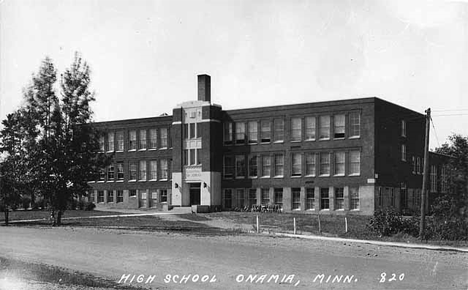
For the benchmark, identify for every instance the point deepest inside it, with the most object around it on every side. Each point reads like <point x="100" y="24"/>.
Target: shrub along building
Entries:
<point x="347" y="156"/>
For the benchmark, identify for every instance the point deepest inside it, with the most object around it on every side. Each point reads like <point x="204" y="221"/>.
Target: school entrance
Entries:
<point x="195" y="192"/>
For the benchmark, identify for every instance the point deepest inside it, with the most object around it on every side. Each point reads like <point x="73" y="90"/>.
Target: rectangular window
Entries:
<point x="253" y="132"/>
<point x="101" y="144"/>
<point x="110" y="141"/>
<point x="253" y="196"/>
<point x="324" y="164"/>
<point x="266" y="166"/>
<point x="265" y="133"/>
<point x="228" y="167"/>
<point x="240" y="133"/>
<point x="153" y="142"/>
<point x="153" y="173"/>
<point x="310" y="164"/>
<point x="199" y="156"/>
<point x="240" y="166"/>
<point x="354" y="125"/>
<point x="132" y="140"/>
<point x="253" y="166"/>
<point x="418" y="165"/>
<point x="192" y="156"/>
<point x="164" y="138"/>
<point x="392" y="197"/>
<point x="339" y="198"/>
<point x="110" y="173"/>
<point x="310" y="128"/>
<point x="119" y="195"/>
<point x="403" y="128"/>
<point x="296" y="129"/>
<point x="100" y="196"/>
<point x="433" y="178"/>
<point x="228" y="133"/>
<point x="120" y="171"/>
<point x="296" y="160"/>
<point x="403" y="152"/>
<point x="340" y="163"/>
<point x="193" y="131"/>
<point x="142" y="175"/>
<point x="185" y="132"/>
<point x="354" y="198"/>
<point x="240" y="197"/>
<point x="102" y="174"/>
<point x="296" y="198"/>
<point x="133" y="170"/>
<point x="324" y="198"/>
<point x="185" y="156"/>
<point x="279" y="197"/>
<point x="278" y="125"/>
<point x="310" y="198"/>
<point x="279" y="165"/>
<point x="354" y="163"/>
<point x="324" y="127"/>
<point x="164" y="169"/>
<point x="120" y="140"/>
<point x="339" y="128"/>
<point x="443" y="179"/>
<point x="414" y="164"/>
<point x="265" y="198"/>
<point x="110" y="196"/>
<point x="163" y="193"/>
<point x="142" y="140"/>
<point x="132" y="192"/>
<point x="227" y="198"/>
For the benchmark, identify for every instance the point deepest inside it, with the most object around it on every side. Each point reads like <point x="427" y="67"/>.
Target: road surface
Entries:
<point x="177" y="261"/>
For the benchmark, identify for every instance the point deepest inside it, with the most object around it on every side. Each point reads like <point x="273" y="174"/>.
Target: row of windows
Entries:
<point x="131" y="193"/>
<point x="147" y="139"/>
<point x="137" y="170"/>
<point x="302" y="164"/>
<point x="238" y="196"/>
<point x="302" y="129"/>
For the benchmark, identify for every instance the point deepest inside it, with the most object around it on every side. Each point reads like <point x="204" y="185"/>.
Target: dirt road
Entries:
<point x="175" y="261"/>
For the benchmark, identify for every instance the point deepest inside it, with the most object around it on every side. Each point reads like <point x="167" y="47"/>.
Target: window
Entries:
<point x="354" y="125"/>
<point x="132" y="193"/>
<point x="310" y="164"/>
<point x="324" y="164"/>
<point x="403" y="128"/>
<point x="101" y="144"/>
<point x="404" y="196"/>
<point x="339" y="198"/>
<point x="153" y="141"/>
<point x="380" y="197"/>
<point x="392" y="197"/>
<point x="133" y="170"/>
<point x="403" y="152"/>
<point x="198" y="151"/>
<point x="253" y="132"/>
<point x="279" y="197"/>
<point x="296" y="198"/>
<point x="142" y="140"/>
<point x="240" y="133"/>
<point x="153" y="171"/>
<point x="354" y="198"/>
<point x="279" y="165"/>
<point x="296" y="159"/>
<point x="354" y="163"/>
<point x="265" y="133"/>
<point x="163" y="134"/>
<point x="185" y="132"/>
<point x="227" y="198"/>
<point x="310" y="198"/>
<point x="252" y="196"/>
<point x="142" y="175"/>
<point x="110" y="173"/>
<point x="310" y="128"/>
<point x="266" y="166"/>
<point x="110" y="196"/>
<point x="193" y="130"/>
<point x="185" y="156"/>
<point x="110" y="141"/>
<point x="240" y="197"/>
<point x="279" y="130"/>
<point x="253" y="166"/>
<point x="265" y="196"/>
<point x="240" y="166"/>
<point x="339" y="128"/>
<point x="120" y="171"/>
<point x="418" y="165"/>
<point x="443" y="179"/>
<point x="433" y="178"/>
<point x="228" y="167"/>
<point x="296" y="129"/>
<point x="163" y="193"/>
<point x="340" y="163"/>
<point x="192" y="156"/>
<point x="324" y="127"/>
<point x="324" y="198"/>
<point x="100" y="196"/>
<point x="228" y="133"/>
<point x="102" y="174"/>
<point x="132" y="145"/>
<point x="119" y="195"/>
<point x="414" y="164"/>
<point x="120" y="140"/>
<point x="164" y="169"/>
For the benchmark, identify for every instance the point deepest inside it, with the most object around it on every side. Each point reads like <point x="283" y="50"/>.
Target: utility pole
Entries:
<point x="422" y="224"/>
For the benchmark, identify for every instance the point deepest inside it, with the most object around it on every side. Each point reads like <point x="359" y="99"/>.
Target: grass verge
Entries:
<point x="45" y="214"/>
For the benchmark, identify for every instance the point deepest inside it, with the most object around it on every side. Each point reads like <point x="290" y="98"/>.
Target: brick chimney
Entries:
<point x="204" y="88"/>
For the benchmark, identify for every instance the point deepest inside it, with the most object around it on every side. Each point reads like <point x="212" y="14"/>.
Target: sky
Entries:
<point x="145" y="55"/>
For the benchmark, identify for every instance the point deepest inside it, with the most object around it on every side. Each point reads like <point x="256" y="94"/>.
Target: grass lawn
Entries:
<point x="45" y="214"/>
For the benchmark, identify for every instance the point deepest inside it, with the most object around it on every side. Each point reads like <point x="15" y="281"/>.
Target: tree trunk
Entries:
<point x="6" y="215"/>
<point x="59" y="218"/>
<point x="52" y="217"/>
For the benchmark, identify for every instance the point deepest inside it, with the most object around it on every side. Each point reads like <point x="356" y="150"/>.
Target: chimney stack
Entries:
<point x="204" y="88"/>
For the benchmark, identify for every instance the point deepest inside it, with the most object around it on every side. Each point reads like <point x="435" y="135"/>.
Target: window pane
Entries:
<point x="296" y="198"/>
<point x="265" y="198"/>
<point x="110" y="196"/>
<point x="324" y="163"/>
<point x="354" y="125"/>
<point x="142" y="175"/>
<point x="164" y="169"/>
<point x="339" y="126"/>
<point x="240" y="133"/>
<point x="163" y="133"/>
<point x="110" y="173"/>
<point x="310" y="198"/>
<point x="339" y="198"/>
<point x="192" y="156"/>
<point x="101" y="144"/>
<point x="228" y="167"/>
<point x="310" y="128"/>
<point x="354" y="198"/>
<point x="252" y="166"/>
<point x="120" y="140"/>
<point x="153" y="170"/>
<point x="296" y="164"/>
<point x="110" y="141"/>
<point x="133" y="170"/>
<point x="240" y="166"/>
<point x="310" y="164"/>
<point x="252" y="196"/>
<point x="253" y="132"/>
<point x="228" y="133"/>
<point x="354" y="162"/>
<point x="279" y="165"/>
<point x="227" y="198"/>
<point x="120" y="171"/>
<point x="339" y="163"/>
<point x="279" y="129"/>
<point x="266" y="166"/>
<point x="324" y="129"/>
<point x="265" y="131"/>
<point x="296" y="129"/>
<point x="279" y="197"/>
<point x="153" y="139"/>
<point x="324" y="198"/>
<point x="132" y="145"/>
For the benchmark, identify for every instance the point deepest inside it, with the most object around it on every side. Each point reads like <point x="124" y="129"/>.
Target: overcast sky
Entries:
<point x="145" y="55"/>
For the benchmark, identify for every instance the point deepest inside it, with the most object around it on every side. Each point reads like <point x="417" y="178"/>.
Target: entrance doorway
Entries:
<point x="195" y="193"/>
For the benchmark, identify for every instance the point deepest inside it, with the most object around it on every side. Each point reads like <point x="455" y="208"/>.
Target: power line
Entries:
<point x="435" y="132"/>
<point x="446" y="115"/>
<point x="450" y="110"/>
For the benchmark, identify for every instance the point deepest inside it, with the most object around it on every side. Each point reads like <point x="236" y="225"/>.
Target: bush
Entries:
<point x="25" y="202"/>
<point x="88" y="205"/>
<point x="38" y="203"/>
<point x="386" y="222"/>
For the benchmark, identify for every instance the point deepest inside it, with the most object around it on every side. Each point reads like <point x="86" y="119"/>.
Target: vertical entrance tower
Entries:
<point x="197" y="150"/>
